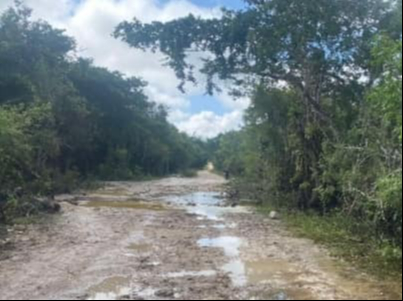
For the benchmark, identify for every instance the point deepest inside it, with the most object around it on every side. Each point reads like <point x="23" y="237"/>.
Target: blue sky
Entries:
<point x="234" y="4"/>
<point x="202" y="103"/>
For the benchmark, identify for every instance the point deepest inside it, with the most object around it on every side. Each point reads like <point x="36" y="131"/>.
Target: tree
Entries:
<point x="307" y="44"/>
<point x="320" y="49"/>
<point x="64" y="120"/>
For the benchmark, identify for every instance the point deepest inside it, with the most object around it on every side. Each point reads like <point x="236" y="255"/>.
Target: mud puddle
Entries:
<point x="243" y="272"/>
<point x="183" y="274"/>
<point x="137" y="205"/>
<point x="110" y="289"/>
<point x="289" y="280"/>
<point x="173" y="239"/>
<point x="211" y="206"/>
<point x="207" y="206"/>
<point x="235" y="268"/>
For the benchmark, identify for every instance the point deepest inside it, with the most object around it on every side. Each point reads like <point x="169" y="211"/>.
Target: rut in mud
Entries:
<point x="173" y="239"/>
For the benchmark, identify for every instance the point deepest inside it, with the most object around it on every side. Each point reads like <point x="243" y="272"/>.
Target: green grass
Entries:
<point x="346" y="238"/>
<point x="36" y="219"/>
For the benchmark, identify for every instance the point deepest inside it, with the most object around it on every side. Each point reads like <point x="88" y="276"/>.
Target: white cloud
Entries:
<point x="168" y="99"/>
<point x="208" y="124"/>
<point x="178" y="116"/>
<point x="232" y="103"/>
<point x="55" y="11"/>
<point x="92" y="22"/>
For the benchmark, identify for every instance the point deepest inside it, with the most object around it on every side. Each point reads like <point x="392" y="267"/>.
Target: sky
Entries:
<point x="91" y="23"/>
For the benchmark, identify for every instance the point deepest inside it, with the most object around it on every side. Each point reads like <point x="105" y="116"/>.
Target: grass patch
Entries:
<point x="38" y="219"/>
<point x="347" y="239"/>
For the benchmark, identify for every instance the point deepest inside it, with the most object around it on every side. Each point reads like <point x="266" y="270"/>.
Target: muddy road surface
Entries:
<point x="172" y="239"/>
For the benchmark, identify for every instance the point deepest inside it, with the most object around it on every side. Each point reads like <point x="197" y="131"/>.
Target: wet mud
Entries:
<point x="172" y="239"/>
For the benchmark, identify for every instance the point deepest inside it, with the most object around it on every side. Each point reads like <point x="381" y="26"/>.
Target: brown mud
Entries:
<point x="172" y="239"/>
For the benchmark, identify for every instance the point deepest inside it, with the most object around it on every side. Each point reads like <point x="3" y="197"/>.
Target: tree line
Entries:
<point x="324" y="130"/>
<point x="64" y="120"/>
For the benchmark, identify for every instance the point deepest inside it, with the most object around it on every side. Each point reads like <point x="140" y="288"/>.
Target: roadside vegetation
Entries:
<point x="65" y="121"/>
<point x="322" y="140"/>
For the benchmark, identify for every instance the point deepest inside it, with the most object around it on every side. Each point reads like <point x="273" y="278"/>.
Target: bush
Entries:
<point x="389" y="217"/>
<point x="350" y="239"/>
<point x="21" y="207"/>
<point x="67" y="182"/>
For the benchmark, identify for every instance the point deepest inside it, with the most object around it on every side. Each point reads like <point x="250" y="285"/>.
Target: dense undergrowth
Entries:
<point x="65" y="121"/>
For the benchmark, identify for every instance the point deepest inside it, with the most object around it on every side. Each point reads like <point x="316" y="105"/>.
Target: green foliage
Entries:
<point x="360" y="175"/>
<point x="329" y="142"/>
<point x="21" y="207"/>
<point x="386" y="97"/>
<point x="389" y="196"/>
<point x="303" y="44"/>
<point x="23" y="148"/>
<point x="14" y="148"/>
<point x="64" y="120"/>
<point x="228" y="155"/>
<point x="350" y="240"/>
<point x="273" y="40"/>
<point x="331" y="138"/>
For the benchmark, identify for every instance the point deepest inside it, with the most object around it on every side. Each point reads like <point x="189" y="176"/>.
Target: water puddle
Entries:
<point x="290" y="294"/>
<point x="184" y="274"/>
<point x="197" y="199"/>
<point x="229" y="244"/>
<point x="254" y="272"/>
<point x="143" y="294"/>
<point x="289" y="281"/>
<point x="206" y="205"/>
<point x="263" y="271"/>
<point x="235" y="268"/>
<point x="138" y="205"/>
<point x="209" y="213"/>
<point x="225" y="226"/>
<point x="295" y="283"/>
<point x="110" y="289"/>
<point x="219" y="226"/>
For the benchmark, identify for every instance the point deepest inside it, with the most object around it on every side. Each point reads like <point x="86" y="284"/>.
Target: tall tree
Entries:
<point x="319" y="48"/>
<point x="307" y="44"/>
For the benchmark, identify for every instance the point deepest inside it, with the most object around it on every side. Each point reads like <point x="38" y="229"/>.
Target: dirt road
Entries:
<point x="171" y="239"/>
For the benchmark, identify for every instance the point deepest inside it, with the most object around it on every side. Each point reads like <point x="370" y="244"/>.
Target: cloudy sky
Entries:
<point x="91" y="23"/>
